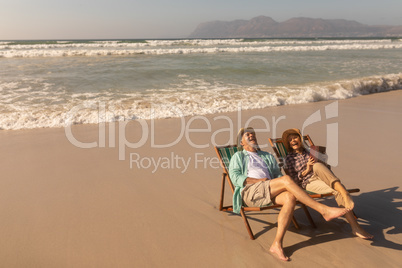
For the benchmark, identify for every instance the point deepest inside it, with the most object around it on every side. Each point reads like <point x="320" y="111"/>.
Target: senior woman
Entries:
<point x="316" y="177"/>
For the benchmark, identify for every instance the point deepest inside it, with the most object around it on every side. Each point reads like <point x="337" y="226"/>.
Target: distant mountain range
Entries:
<point x="266" y="27"/>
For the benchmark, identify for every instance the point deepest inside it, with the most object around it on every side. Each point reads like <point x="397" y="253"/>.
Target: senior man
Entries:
<point x="258" y="181"/>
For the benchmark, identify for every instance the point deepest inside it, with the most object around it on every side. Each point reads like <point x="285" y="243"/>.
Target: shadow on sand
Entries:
<point x="379" y="213"/>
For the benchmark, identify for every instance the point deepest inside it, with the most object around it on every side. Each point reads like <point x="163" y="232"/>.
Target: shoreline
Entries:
<point x="68" y="206"/>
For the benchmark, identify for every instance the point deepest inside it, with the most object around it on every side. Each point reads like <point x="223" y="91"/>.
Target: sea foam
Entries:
<point x="163" y="47"/>
<point x="24" y="108"/>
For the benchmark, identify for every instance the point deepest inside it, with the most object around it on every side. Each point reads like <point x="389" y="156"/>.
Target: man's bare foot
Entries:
<point x="349" y="204"/>
<point x="359" y="232"/>
<point x="277" y="250"/>
<point x="332" y="213"/>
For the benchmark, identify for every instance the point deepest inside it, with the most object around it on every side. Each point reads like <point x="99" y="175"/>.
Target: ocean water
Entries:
<point x="57" y="83"/>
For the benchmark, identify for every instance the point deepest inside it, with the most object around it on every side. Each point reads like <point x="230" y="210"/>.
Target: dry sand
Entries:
<point x="65" y="206"/>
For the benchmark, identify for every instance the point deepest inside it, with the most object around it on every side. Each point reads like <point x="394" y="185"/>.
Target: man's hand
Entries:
<point x="253" y="180"/>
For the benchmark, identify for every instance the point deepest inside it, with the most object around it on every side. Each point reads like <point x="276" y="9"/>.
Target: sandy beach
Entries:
<point x="157" y="205"/>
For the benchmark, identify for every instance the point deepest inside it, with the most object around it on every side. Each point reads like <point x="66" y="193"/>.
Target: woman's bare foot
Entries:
<point x="277" y="250"/>
<point x="361" y="233"/>
<point x="331" y="213"/>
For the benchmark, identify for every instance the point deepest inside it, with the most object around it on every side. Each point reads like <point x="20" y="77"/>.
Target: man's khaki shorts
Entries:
<point x="257" y="194"/>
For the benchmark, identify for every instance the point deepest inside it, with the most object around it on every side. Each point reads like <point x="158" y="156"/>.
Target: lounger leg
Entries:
<point x="354" y="215"/>
<point x="222" y="191"/>
<point x="250" y="233"/>
<point x="295" y="223"/>
<point x="310" y="219"/>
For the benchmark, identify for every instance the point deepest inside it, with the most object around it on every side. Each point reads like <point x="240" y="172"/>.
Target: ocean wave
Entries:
<point x="179" y="42"/>
<point x="29" y="53"/>
<point x="183" y="46"/>
<point x="23" y="107"/>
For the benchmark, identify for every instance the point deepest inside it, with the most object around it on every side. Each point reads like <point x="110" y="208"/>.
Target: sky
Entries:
<point x="144" y="19"/>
